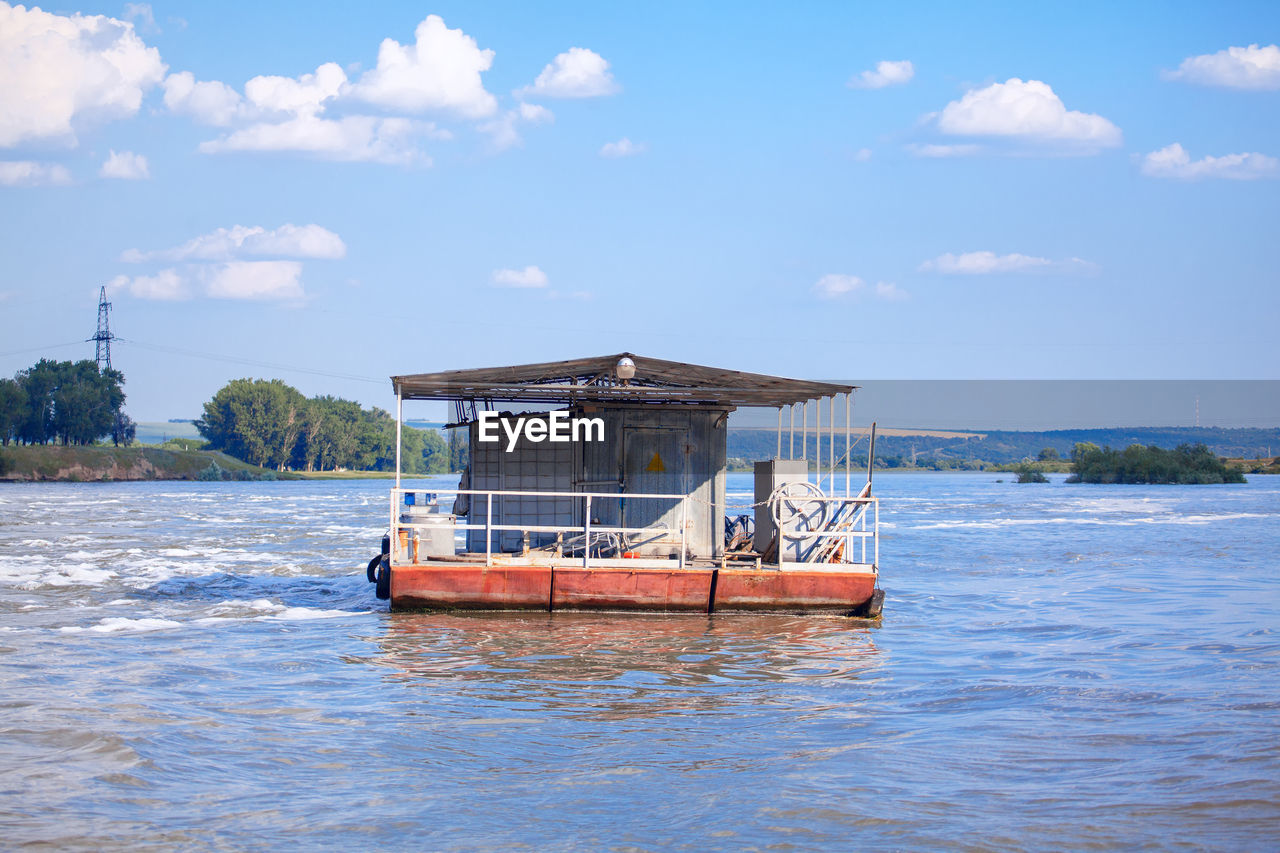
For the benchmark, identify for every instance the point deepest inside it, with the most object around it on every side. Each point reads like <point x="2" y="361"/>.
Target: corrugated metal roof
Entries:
<point x="593" y="379"/>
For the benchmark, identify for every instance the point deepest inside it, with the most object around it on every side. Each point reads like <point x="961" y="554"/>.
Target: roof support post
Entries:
<point x="848" y="448"/>
<point x="817" y="440"/>
<point x="779" y="454"/>
<point x="399" y="426"/>
<point x="791" y="439"/>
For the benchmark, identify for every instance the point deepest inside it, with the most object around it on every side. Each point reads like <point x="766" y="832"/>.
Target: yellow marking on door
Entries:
<point x="655" y="465"/>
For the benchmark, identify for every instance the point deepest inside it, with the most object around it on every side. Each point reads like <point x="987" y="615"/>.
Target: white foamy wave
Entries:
<point x="113" y="624"/>
<point x="263" y="609"/>
<point x="35" y="572"/>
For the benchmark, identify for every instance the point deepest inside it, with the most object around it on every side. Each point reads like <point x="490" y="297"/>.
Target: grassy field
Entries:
<point x="101" y="463"/>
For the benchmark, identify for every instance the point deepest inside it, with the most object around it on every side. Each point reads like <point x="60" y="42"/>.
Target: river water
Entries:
<point x="203" y="665"/>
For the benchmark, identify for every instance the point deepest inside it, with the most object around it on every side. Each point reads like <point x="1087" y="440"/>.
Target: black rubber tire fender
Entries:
<point x="383" y="589"/>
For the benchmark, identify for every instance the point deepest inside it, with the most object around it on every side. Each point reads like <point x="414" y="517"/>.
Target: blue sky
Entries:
<point x="864" y="191"/>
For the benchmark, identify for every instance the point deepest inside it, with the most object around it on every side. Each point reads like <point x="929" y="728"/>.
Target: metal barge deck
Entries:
<point x="635" y="515"/>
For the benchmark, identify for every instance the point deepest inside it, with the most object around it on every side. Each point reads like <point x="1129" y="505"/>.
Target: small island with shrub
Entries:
<point x="1186" y="464"/>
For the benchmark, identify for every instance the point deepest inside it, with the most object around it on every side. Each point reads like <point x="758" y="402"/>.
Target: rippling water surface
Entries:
<point x="204" y="666"/>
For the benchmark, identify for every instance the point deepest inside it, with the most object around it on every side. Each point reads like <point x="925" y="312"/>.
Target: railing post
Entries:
<point x="391" y="528"/>
<point x="586" y="534"/>
<point x="488" y="530"/>
<point x="684" y="524"/>
<point x="877" y="533"/>
<point x="864" y="538"/>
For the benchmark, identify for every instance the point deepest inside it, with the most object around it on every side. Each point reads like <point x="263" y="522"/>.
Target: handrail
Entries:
<point x="586" y="528"/>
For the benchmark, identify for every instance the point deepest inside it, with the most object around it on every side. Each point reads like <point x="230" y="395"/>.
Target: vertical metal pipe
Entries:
<point x="488" y="530"/>
<point x="871" y="453"/>
<point x="399" y="425"/>
<point x="684" y="514"/>
<point x="804" y="436"/>
<point x="848" y="449"/>
<point x="586" y="535"/>
<point x="817" y="441"/>
<point x="831" y="436"/>
<point x="779" y="455"/>
<point x="791" y="439"/>
<point x="863" y="537"/>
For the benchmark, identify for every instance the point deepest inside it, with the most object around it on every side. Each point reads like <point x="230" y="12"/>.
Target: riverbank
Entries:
<point x="54" y="463"/>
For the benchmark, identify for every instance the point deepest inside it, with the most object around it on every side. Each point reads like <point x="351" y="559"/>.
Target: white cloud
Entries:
<point x="287" y="114"/>
<point x="1173" y="161"/>
<point x="125" y="165"/>
<point x="979" y="263"/>
<point x="352" y="139"/>
<point x="209" y="101"/>
<point x="245" y="280"/>
<point x="59" y="71"/>
<point x="1249" y="67"/>
<point x="833" y="285"/>
<point x="298" y="96"/>
<point x="29" y="173"/>
<point x="166" y="285"/>
<point x="939" y="151"/>
<point x="141" y="16"/>
<point x="624" y="147"/>
<point x="441" y="70"/>
<point x="886" y="73"/>
<point x="530" y="276"/>
<point x="1027" y="111"/>
<point x="504" y="129"/>
<point x="982" y="263"/>
<point x="889" y="291"/>
<point x="576" y="73"/>
<point x="838" y="286"/>
<point x="289" y="241"/>
<point x="535" y="113"/>
<point x="862" y="155"/>
<point x="254" y="280"/>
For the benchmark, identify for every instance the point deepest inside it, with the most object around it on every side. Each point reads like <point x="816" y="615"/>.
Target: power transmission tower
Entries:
<point x="103" y="337"/>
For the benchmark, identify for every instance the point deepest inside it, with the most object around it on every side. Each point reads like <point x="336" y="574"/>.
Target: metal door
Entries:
<point x="655" y="461"/>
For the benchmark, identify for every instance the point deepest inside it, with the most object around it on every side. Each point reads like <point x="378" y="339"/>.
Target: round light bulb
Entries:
<point x="626" y="369"/>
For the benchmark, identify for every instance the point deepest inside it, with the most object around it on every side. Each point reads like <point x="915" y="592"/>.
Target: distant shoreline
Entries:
<point x="49" y="463"/>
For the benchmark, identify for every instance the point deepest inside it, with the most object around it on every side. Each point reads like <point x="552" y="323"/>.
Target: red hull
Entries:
<point x="470" y="587"/>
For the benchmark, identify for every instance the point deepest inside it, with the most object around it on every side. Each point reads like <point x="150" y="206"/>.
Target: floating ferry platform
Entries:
<point x="599" y="484"/>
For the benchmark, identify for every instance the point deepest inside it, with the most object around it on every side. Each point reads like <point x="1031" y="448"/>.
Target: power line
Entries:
<point x="41" y="348"/>
<point x="251" y="362"/>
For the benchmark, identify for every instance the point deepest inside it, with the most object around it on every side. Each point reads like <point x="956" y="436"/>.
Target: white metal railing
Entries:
<point x="401" y="531"/>
<point x="853" y="518"/>
<point x="837" y="527"/>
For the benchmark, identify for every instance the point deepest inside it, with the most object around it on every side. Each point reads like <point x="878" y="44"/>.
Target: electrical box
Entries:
<point x="770" y="474"/>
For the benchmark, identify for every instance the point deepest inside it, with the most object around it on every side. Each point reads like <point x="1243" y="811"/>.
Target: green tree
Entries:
<point x="435" y="452"/>
<point x="13" y="409"/>
<point x="124" y="430"/>
<point x="1049" y="454"/>
<point x="256" y="420"/>
<point x="459" y="452"/>
<point x="70" y="402"/>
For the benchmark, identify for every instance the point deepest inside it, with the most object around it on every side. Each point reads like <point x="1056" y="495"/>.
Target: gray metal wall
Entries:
<point x="646" y="449"/>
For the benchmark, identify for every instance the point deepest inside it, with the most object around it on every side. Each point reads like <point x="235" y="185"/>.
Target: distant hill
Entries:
<point x="104" y="463"/>
<point x="158" y="432"/>
<point x="927" y="448"/>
